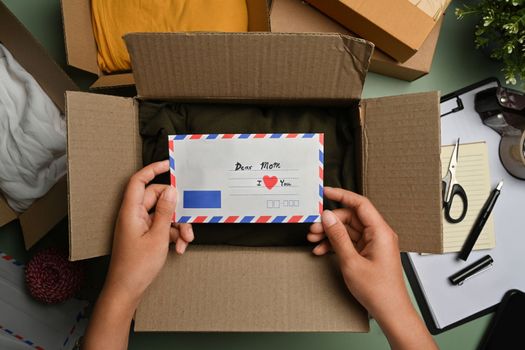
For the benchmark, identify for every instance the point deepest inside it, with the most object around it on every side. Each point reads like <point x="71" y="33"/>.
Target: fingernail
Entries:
<point x="170" y="194"/>
<point x="180" y="246"/>
<point x="328" y="218"/>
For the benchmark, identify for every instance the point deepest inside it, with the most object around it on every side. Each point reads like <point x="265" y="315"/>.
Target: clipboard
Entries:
<point x="454" y="105"/>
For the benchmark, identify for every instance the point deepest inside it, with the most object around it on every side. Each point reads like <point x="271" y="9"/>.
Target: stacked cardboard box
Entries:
<point x="397" y="27"/>
<point x="47" y="211"/>
<point x="298" y="16"/>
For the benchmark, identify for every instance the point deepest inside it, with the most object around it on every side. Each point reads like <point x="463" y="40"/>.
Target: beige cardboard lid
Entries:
<point x="297" y="16"/>
<point x="221" y="289"/>
<point x="47" y="211"/>
<point x="104" y="150"/>
<point x="401" y="168"/>
<point x="248" y="66"/>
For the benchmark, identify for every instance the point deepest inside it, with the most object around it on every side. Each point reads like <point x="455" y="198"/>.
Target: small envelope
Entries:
<point x="247" y="178"/>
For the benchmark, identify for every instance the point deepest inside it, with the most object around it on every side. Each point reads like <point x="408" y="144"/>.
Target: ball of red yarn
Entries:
<point x="51" y="278"/>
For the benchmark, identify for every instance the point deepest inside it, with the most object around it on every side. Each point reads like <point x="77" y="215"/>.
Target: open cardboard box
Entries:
<point x="296" y="16"/>
<point x="81" y="47"/>
<point x="397" y="27"/>
<point x="47" y="211"/>
<point x="231" y="288"/>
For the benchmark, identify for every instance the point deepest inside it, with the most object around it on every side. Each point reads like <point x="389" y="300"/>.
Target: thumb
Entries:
<point x="338" y="236"/>
<point x="164" y="211"/>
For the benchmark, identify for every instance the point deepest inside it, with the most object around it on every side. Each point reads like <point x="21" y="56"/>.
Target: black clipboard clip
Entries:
<point x="459" y="107"/>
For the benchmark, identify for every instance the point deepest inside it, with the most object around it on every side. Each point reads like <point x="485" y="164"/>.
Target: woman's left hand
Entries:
<point x="141" y="240"/>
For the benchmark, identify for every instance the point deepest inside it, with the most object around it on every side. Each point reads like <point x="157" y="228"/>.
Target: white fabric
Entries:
<point x="32" y="136"/>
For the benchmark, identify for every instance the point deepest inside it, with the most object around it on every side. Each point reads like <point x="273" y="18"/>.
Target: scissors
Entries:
<point x="451" y="188"/>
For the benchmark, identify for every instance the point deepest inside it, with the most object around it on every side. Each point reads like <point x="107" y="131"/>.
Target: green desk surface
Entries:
<point x="456" y="64"/>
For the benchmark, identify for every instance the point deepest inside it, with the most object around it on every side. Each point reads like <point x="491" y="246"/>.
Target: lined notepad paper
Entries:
<point x="473" y="174"/>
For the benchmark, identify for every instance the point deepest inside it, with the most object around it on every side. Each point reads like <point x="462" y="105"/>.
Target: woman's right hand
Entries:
<point x="368" y="253"/>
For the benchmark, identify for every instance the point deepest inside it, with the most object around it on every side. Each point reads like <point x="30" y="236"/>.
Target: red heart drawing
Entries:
<point x="270" y="181"/>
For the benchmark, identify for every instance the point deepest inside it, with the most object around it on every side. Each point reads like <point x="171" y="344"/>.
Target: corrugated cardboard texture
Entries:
<point x="296" y="16"/>
<point x="6" y="213"/>
<point x="217" y="288"/>
<point x="39" y="218"/>
<point x="113" y="80"/>
<point x="44" y="213"/>
<point x="252" y="66"/>
<point x="104" y="150"/>
<point x="81" y="47"/>
<point x="258" y="16"/>
<point x="413" y="68"/>
<point x="402" y="168"/>
<point x="395" y="26"/>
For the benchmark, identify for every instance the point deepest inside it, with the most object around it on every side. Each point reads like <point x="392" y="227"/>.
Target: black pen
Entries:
<point x="480" y="223"/>
<point x="481" y="265"/>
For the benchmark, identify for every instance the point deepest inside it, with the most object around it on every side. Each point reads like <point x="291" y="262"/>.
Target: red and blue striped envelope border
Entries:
<point x="264" y="219"/>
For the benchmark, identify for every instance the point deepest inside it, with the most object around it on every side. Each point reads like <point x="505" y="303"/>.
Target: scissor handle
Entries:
<point x="460" y="192"/>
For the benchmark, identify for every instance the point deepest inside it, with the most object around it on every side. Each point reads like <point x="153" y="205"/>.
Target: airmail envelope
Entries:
<point x="247" y="178"/>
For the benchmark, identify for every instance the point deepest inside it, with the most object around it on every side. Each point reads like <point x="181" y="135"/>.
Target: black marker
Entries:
<point x="473" y="269"/>
<point x="480" y="223"/>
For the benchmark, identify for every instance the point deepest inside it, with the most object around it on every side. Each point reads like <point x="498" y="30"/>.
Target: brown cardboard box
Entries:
<point x="81" y="48"/>
<point x="47" y="211"/>
<point x="398" y="27"/>
<point x="298" y="16"/>
<point x="231" y="288"/>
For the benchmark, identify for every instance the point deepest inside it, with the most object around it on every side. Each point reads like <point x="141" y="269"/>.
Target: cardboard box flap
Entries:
<point x="103" y="134"/>
<point x="44" y="213"/>
<point x="258" y="18"/>
<point x="81" y="48"/>
<point x="221" y="288"/>
<point x="401" y="165"/>
<point x="113" y="80"/>
<point x="33" y="57"/>
<point x="6" y="213"/>
<point x="251" y="66"/>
